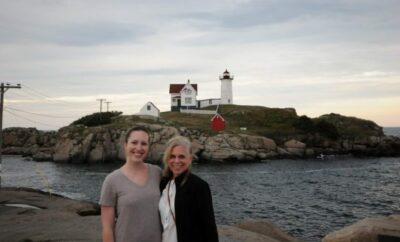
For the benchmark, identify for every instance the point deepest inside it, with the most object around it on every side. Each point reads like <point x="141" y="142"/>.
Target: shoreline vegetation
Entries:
<point x="33" y="215"/>
<point x="252" y="133"/>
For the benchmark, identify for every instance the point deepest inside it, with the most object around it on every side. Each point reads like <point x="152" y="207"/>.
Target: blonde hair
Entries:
<point x="172" y="143"/>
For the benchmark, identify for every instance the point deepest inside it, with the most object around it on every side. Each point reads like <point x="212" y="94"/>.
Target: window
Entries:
<point x="188" y="91"/>
<point x="210" y="101"/>
<point x="148" y="107"/>
<point x="188" y="100"/>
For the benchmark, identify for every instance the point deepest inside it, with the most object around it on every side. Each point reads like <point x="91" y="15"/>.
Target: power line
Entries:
<point x="47" y="97"/>
<point x="39" y="114"/>
<point x="30" y="120"/>
<point x="37" y="93"/>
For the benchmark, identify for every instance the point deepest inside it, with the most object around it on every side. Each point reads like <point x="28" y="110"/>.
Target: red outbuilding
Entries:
<point x="217" y="122"/>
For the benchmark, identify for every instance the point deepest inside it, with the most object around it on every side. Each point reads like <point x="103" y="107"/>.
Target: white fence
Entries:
<point x="198" y="111"/>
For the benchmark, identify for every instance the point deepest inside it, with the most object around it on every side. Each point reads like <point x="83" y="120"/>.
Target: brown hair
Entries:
<point x="138" y="128"/>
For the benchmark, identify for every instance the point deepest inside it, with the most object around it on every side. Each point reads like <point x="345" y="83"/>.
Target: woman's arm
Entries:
<point x="108" y="222"/>
<point x="207" y="214"/>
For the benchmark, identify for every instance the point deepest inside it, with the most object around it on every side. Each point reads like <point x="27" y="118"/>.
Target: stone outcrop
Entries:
<point x="251" y="230"/>
<point x="295" y="147"/>
<point x="32" y="215"/>
<point x="80" y="144"/>
<point x="266" y="228"/>
<point x="368" y="230"/>
<point x="29" y="142"/>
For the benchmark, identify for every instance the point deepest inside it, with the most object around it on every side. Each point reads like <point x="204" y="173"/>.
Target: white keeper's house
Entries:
<point x="149" y="109"/>
<point x="184" y="96"/>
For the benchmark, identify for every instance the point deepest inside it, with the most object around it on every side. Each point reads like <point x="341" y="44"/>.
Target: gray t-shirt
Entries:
<point x="136" y="207"/>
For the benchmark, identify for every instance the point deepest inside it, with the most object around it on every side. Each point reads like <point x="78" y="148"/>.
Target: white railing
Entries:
<point x="198" y="111"/>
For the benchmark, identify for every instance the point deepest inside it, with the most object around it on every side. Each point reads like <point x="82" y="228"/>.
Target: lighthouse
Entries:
<point x="226" y="88"/>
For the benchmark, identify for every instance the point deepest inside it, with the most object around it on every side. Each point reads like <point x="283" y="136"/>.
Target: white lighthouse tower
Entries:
<point x="226" y="88"/>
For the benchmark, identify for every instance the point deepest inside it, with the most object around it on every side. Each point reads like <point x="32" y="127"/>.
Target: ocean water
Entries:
<point x="394" y="131"/>
<point x="306" y="198"/>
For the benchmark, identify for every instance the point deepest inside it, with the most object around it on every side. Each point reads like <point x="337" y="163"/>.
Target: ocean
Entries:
<point x="306" y="198"/>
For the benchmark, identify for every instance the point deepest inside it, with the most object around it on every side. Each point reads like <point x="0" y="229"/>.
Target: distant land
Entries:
<point x="251" y="133"/>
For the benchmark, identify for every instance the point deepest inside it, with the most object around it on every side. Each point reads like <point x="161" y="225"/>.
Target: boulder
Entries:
<point x="368" y="230"/>
<point x="235" y="234"/>
<point x="258" y="142"/>
<point x="222" y="155"/>
<point x="267" y="228"/>
<point x="42" y="156"/>
<point x="62" y="150"/>
<point x="295" y="148"/>
<point x="294" y="144"/>
<point x="156" y="153"/>
<point x="31" y="215"/>
<point x="97" y="154"/>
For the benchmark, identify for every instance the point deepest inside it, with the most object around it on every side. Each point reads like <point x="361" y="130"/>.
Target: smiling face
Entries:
<point x="137" y="146"/>
<point x="179" y="160"/>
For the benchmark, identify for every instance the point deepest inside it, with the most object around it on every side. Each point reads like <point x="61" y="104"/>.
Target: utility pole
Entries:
<point x="3" y="89"/>
<point x="101" y="100"/>
<point x="107" y="105"/>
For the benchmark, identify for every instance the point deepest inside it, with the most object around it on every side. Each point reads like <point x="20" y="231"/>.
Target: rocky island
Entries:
<point x="252" y="133"/>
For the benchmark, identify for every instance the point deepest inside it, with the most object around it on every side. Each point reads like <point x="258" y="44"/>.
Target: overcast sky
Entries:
<point x="317" y="56"/>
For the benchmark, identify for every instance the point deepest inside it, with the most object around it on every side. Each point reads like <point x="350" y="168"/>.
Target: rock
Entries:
<point x="42" y="156"/>
<point x="86" y="144"/>
<point x="295" y="148"/>
<point x="368" y="230"/>
<point x="235" y="234"/>
<point x="156" y="153"/>
<point x="258" y="142"/>
<point x="80" y="144"/>
<point x="295" y="152"/>
<point x="294" y="144"/>
<point x="197" y="147"/>
<point x="51" y="217"/>
<point x="282" y="151"/>
<point x="309" y="152"/>
<point x="48" y="217"/>
<point x="110" y="151"/>
<point x="222" y="155"/>
<point x="265" y="227"/>
<point x="235" y="142"/>
<point x="62" y="150"/>
<point x="97" y="154"/>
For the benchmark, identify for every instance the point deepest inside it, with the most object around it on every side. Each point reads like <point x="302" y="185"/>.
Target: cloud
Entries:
<point x="282" y="53"/>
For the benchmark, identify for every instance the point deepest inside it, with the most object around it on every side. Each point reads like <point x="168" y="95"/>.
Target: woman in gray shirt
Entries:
<point x="130" y="195"/>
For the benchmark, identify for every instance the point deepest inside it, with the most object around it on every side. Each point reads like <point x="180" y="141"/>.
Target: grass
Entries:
<point x="256" y="119"/>
<point x="275" y="123"/>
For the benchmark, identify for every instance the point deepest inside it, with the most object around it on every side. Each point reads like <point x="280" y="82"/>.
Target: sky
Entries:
<point x="317" y="56"/>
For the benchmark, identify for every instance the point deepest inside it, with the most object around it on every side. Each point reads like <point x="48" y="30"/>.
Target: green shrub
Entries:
<point x="326" y="129"/>
<point x="305" y="124"/>
<point x="96" y="119"/>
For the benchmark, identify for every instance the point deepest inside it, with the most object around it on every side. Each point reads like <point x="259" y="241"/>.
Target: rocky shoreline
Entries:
<point x="80" y="144"/>
<point x="32" y="215"/>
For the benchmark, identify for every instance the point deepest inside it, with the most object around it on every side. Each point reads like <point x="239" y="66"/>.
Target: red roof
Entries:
<point x="217" y="116"/>
<point x="217" y="122"/>
<point x="176" y="88"/>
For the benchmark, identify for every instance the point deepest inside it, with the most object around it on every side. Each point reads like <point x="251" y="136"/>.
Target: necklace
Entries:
<point x="169" y="201"/>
